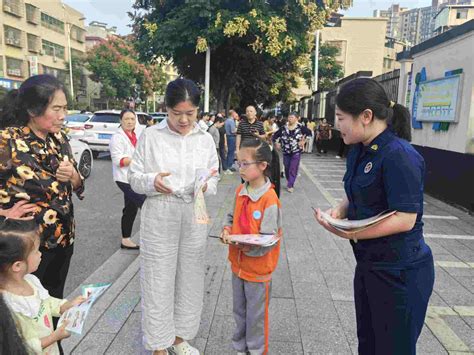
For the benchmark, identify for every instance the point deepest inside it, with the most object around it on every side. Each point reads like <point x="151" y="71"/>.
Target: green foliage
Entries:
<point x="329" y="71"/>
<point x="254" y="44"/>
<point x="114" y="64"/>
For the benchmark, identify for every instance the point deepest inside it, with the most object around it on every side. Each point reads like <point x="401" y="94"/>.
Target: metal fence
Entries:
<point x="389" y="81"/>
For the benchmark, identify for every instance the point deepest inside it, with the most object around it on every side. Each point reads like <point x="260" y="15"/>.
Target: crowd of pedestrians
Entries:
<point x="156" y="172"/>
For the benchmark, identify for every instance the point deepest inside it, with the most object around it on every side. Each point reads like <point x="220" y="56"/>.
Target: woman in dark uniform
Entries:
<point x="394" y="275"/>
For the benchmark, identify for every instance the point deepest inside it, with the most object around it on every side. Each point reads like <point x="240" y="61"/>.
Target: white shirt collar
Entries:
<point x="164" y="124"/>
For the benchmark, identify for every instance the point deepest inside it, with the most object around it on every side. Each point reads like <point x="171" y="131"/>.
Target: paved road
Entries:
<point x="312" y="308"/>
<point x="98" y="224"/>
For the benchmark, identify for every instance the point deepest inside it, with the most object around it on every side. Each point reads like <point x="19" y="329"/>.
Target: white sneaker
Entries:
<point x="184" y="349"/>
<point x="338" y="157"/>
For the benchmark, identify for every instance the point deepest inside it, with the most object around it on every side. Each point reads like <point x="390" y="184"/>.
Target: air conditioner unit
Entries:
<point x="10" y="40"/>
<point x="41" y="52"/>
<point x="7" y="8"/>
<point x="15" y="72"/>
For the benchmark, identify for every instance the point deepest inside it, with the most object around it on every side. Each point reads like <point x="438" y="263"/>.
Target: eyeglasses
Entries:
<point x="246" y="164"/>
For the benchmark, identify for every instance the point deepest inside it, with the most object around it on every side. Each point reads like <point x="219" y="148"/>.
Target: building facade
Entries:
<point x="361" y="43"/>
<point x="451" y="16"/>
<point x="436" y="85"/>
<point x="37" y="37"/>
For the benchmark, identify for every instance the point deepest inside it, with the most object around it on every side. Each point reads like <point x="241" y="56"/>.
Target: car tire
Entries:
<point x="95" y="154"/>
<point x="85" y="164"/>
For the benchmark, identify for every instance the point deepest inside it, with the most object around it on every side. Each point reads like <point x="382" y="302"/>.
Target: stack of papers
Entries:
<point x="260" y="240"/>
<point x="346" y="225"/>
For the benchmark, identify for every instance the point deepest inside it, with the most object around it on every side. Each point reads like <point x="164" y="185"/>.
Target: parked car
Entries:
<point x="159" y="116"/>
<point x="83" y="156"/>
<point x="102" y="125"/>
<point x="75" y="124"/>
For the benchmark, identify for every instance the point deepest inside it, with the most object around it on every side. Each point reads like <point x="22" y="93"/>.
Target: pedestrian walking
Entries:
<point x="291" y="138"/>
<point x="122" y="146"/>
<point x="324" y="135"/>
<point x="231" y="132"/>
<point x="250" y="127"/>
<point x="394" y="274"/>
<point x="309" y="143"/>
<point x="172" y="243"/>
<point x="37" y="165"/>
<point x="257" y="210"/>
<point x="214" y="132"/>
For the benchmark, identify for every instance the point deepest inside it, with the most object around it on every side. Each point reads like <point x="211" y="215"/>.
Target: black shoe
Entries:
<point x="136" y="247"/>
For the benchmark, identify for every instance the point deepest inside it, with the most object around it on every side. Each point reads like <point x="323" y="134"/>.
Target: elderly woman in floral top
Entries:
<point x="36" y="165"/>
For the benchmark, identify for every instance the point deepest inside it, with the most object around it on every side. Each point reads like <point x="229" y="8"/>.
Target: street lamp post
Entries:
<point x="316" y="61"/>
<point x="207" y="79"/>
<point x="70" y="61"/>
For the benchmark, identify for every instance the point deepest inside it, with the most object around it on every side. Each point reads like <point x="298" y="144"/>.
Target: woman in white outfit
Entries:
<point x="172" y="244"/>
<point x="122" y="146"/>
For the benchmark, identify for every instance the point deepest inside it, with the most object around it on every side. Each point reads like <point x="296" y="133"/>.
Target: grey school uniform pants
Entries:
<point x="251" y="301"/>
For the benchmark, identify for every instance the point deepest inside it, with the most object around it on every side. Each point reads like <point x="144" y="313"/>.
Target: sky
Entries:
<point x="114" y="12"/>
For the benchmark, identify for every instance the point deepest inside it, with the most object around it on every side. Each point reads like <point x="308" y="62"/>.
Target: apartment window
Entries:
<point x="53" y="49"/>
<point x="62" y="75"/>
<point x="32" y="14"/>
<point x="12" y="36"/>
<point x="461" y="14"/>
<point x="15" y="67"/>
<point x="78" y="34"/>
<point x="52" y="23"/>
<point x="13" y="7"/>
<point x="34" y="43"/>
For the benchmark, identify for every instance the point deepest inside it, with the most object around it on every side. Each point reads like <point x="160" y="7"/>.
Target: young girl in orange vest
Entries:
<point x="257" y="210"/>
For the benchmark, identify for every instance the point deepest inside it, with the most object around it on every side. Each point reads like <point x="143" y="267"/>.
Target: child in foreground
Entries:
<point x="257" y="210"/>
<point x="31" y="305"/>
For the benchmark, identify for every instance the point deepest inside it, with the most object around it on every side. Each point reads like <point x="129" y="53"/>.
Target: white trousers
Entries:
<point x="172" y="250"/>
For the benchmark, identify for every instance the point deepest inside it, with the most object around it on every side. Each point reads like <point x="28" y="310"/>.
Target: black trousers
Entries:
<point x="53" y="269"/>
<point x="133" y="202"/>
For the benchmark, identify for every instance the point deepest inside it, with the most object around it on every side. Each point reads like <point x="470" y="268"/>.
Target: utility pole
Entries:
<point x="316" y="61"/>
<point x="207" y="79"/>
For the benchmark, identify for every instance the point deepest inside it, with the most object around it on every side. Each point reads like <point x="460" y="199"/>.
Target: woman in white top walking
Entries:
<point x="172" y="244"/>
<point x="122" y="146"/>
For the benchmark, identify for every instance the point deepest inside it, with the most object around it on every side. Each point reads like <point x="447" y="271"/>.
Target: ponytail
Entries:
<point x="364" y="93"/>
<point x="400" y="122"/>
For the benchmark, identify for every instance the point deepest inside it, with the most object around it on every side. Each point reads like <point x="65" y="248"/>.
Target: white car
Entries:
<point x="102" y="125"/>
<point x="83" y="156"/>
<point x="75" y="124"/>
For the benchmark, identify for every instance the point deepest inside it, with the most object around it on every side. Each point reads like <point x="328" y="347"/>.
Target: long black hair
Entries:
<point x="11" y="341"/>
<point x="364" y="93"/>
<point x="181" y="90"/>
<point x="264" y="153"/>
<point x="31" y="99"/>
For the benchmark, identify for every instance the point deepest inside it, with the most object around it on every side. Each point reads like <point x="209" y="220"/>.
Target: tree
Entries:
<point x="114" y="64"/>
<point x="329" y="70"/>
<point x="256" y="46"/>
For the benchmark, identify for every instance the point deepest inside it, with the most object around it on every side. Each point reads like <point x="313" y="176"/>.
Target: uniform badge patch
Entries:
<point x="374" y="147"/>
<point x="368" y="167"/>
<point x="257" y="214"/>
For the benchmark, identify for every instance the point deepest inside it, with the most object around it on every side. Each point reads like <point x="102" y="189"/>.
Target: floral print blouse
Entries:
<point x="28" y="171"/>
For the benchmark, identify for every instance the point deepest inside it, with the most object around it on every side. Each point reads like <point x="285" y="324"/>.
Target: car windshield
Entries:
<point x="77" y="118"/>
<point x="106" y="118"/>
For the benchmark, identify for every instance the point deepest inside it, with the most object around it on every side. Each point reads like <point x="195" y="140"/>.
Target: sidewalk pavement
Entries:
<point x="312" y="307"/>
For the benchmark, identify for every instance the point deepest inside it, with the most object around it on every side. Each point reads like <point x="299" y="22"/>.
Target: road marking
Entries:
<point x="340" y="182"/>
<point x="335" y="189"/>
<point x="327" y="175"/>
<point x="449" y="236"/>
<point x="441" y="329"/>
<point x="455" y="264"/>
<point x="321" y="188"/>
<point x="430" y="216"/>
